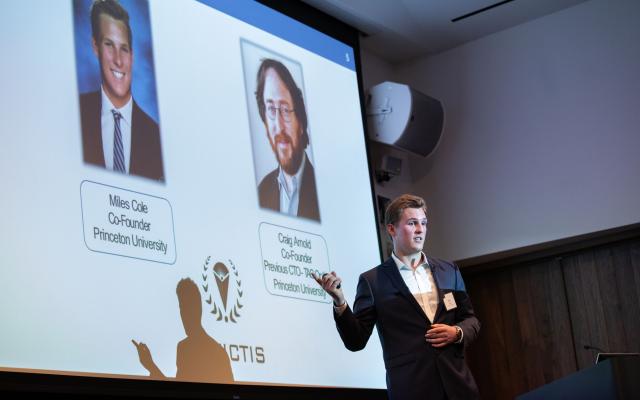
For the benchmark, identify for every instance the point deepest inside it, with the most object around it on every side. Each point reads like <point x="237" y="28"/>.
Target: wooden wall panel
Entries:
<point x="536" y="316"/>
<point x="547" y="343"/>
<point x="490" y="356"/>
<point x="603" y="290"/>
<point x="525" y="338"/>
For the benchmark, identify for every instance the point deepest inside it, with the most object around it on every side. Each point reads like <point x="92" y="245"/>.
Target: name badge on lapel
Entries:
<point x="449" y="301"/>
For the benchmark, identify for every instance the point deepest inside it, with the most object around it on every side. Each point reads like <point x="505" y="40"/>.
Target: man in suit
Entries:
<point x="290" y="188"/>
<point x="116" y="133"/>
<point x="420" y="308"/>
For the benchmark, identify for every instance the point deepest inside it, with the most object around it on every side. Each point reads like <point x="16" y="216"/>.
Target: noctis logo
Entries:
<point x="222" y="289"/>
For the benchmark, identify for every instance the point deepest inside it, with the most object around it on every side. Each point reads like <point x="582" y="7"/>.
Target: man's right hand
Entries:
<point x="146" y="360"/>
<point x="330" y="282"/>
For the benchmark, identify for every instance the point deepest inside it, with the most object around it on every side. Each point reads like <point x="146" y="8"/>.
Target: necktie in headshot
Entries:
<point x="118" y="151"/>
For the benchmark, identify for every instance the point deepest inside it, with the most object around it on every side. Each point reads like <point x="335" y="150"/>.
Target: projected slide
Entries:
<point x="173" y="174"/>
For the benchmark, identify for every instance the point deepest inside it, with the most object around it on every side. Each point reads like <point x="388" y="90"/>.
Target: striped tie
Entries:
<point x="118" y="152"/>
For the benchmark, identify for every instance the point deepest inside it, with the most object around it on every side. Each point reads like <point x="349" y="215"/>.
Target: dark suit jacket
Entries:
<point x="146" y="154"/>
<point x="415" y="369"/>
<point x="269" y="193"/>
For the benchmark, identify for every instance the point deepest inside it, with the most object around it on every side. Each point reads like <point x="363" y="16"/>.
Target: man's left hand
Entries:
<point x="441" y="335"/>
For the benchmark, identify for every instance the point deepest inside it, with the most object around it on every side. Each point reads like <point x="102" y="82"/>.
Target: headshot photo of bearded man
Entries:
<point x="290" y="186"/>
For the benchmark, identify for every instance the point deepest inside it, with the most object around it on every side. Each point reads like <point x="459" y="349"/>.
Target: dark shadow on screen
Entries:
<point x="198" y="356"/>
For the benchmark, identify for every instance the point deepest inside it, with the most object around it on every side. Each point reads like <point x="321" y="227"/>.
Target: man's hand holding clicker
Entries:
<point x="331" y="283"/>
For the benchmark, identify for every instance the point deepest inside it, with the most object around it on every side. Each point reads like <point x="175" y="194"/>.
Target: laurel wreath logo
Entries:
<point x="222" y="275"/>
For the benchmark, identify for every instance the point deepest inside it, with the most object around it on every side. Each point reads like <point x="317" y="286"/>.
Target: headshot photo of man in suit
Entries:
<point x="291" y="187"/>
<point x="116" y="133"/>
<point x="420" y="308"/>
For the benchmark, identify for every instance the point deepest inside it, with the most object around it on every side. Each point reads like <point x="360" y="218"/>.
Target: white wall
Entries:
<point x="374" y="69"/>
<point x="542" y="131"/>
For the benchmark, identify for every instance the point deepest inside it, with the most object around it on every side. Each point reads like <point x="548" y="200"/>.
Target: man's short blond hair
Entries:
<point x="394" y="210"/>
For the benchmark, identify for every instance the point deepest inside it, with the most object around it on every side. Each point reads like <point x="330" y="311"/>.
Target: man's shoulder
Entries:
<point x="182" y="344"/>
<point x="268" y="192"/>
<point x="307" y="165"/>
<point x="90" y="100"/>
<point x="447" y="273"/>
<point x="309" y="176"/>
<point x="141" y="118"/>
<point x="91" y="128"/>
<point x="442" y="264"/>
<point x="90" y="95"/>
<point x="270" y="180"/>
<point x="373" y="272"/>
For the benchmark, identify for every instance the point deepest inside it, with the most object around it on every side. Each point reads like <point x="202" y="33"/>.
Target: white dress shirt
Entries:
<point x="421" y="284"/>
<point x="290" y="189"/>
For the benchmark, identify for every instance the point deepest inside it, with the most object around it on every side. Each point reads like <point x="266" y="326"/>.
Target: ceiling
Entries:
<point x="400" y="30"/>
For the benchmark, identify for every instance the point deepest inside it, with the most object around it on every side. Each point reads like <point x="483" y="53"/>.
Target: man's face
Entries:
<point x="116" y="57"/>
<point x="284" y="135"/>
<point x="409" y="232"/>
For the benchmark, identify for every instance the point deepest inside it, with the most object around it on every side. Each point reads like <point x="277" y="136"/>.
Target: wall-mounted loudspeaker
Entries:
<point x="402" y="117"/>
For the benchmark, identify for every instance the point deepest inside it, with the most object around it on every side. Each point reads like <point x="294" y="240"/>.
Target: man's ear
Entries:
<point x="391" y="230"/>
<point x="94" y="46"/>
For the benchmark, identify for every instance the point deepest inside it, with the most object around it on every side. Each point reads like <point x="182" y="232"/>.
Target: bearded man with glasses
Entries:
<point x="290" y="188"/>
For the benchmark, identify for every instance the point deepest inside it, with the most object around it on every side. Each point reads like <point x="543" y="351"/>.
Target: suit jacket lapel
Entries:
<point x="304" y="188"/>
<point x="434" y="266"/>
<point x="391" y="269"/>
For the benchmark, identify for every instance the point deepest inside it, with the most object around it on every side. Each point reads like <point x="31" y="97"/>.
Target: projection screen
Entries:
<point x="170" y="187"/>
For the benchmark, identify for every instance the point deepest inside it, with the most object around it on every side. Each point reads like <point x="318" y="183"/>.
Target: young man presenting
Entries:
<point x="420" y="308"/>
